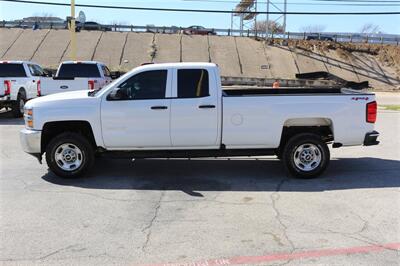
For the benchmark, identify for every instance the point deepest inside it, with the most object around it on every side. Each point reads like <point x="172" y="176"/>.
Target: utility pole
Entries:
<point x="284" y="16"/>
<point x="255" y="18"/>
<point x="72" y="31"/>
<point x="267" y="26"/>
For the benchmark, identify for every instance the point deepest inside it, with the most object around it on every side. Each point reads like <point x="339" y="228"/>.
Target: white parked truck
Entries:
<point x="77" y="75"/>
<point x="20" y="81"/>
<point x="181" y="110"/>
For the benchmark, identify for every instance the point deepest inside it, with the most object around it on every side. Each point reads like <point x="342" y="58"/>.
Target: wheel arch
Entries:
<point x="54" y="128"/>
<point x="320" y="126"/>
<point x="22" y="90"/>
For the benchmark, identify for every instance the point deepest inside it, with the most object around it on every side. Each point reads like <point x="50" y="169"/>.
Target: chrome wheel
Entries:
<point x="68" y="157"/>
<point x="307" y="157"/>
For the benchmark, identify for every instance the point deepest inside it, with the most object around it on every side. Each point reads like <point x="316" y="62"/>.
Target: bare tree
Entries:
<point x="271" y="26"/>
<point x="370" y="28"/>
<point x="119" y="22"/>
<point x="44" y="16"/>
<point x="313" y="28"/>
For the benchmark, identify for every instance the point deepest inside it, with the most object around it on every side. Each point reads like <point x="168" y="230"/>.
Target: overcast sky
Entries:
<point x="387" y="23"/>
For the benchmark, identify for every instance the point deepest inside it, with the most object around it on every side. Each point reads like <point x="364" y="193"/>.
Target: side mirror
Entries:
<point x="47" y="73"/>
<point x="117" y="94"/>
<point x="115" y="74"/>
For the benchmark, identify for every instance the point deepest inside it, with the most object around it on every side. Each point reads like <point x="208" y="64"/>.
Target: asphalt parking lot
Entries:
<point x="203" y="212"/>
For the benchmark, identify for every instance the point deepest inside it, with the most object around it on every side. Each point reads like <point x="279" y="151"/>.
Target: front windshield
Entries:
<point x="96" y="92"/>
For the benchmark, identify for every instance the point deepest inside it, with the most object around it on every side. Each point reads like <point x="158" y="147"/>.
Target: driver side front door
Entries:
<point x="136" y="115"/>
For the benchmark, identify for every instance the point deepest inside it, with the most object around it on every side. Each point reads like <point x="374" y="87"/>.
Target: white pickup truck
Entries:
<point x="181" y="110"/>
<point x="77" y="75"/>
<point x="20" y="81"/>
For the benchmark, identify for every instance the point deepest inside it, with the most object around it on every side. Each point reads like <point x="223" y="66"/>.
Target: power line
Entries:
<point x="364" y="1"/>
<point x="206" y="10"/>
<point x="396" y="2"/>
<point x="303" y="4"/>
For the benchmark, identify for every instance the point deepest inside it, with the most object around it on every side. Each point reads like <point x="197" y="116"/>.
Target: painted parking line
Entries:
<point x="287" y="256"/>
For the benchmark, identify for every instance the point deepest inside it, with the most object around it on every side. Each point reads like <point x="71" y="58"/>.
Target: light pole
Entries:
<point x="72" y="31"/>
<point x="267" y="22"/>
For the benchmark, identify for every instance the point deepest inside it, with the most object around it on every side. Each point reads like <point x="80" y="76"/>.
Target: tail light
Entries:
<point x="38" y="89"/>
<point x="91" y="85"/>
<point x="371" y="112"/>
<point x="7" y="87"/>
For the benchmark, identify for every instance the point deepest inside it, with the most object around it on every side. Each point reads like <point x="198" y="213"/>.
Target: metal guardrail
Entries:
<point x="337" y="37"/>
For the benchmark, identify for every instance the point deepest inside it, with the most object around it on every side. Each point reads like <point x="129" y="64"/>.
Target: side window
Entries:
<point x="31" y="70"/>
<point x="145" y="85"/>
<point x="106" y="71"/>
<point x="35" y="70"/>
<point x="193" y="83"/>
<point x="39" y="70"/>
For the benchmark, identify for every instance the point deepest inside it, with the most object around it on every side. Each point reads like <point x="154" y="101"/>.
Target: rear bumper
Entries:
<point x="5" y="100"/>
<point x="31" y="141"/>
<point x="371" y="138"/>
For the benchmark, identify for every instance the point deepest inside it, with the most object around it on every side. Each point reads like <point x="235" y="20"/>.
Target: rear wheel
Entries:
<point x="306" y="156"/>
<point x="69" y="155"/>
<point x="17" y="107"/>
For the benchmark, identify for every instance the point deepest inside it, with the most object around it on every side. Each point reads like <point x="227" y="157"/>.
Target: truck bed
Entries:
<point x="261" y="114"/>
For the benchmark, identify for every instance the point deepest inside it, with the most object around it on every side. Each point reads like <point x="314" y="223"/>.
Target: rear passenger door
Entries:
<point x="194" y="110"/>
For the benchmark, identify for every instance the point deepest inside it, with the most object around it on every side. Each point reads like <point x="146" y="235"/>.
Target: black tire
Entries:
<point x="86" y="155"/>
<point x="16" y="108"/>
<point x="306" y="143"/>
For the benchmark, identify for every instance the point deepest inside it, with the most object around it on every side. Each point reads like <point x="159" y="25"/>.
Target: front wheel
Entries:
<point x="69" y="155"/>
<point x="306" y="156"/>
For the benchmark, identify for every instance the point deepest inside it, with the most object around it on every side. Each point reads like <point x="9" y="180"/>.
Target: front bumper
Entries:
<point x="371" y="138"/>
<point x="31" y="141"/>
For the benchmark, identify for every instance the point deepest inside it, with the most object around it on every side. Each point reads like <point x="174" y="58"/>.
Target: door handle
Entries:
<point x="209" y="106"/>
<point x="159" y="107"/>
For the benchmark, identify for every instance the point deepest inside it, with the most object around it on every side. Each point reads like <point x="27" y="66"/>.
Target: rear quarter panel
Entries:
<point x="257" y="122"/>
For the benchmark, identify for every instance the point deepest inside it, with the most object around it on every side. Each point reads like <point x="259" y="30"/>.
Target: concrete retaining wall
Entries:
<point x="195" y="48"/>
<point x="138" y="50"/>
<point x="52" y="49"/>
<point x="282" y="64"/>
<point x="87" y="42"/>
<point x="168" y="48"/>
<point x="25" y="45"/>
<point x="253" y="58"/>
<point x="7" y="38"/>
<point x="110" y="48"/>
<point x="236" y="56"/>
<point x="307" y="61"/>
<point x="223" y="52"/>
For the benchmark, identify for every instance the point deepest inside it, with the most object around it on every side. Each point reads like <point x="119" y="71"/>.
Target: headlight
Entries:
<point x="28" y="116"/>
